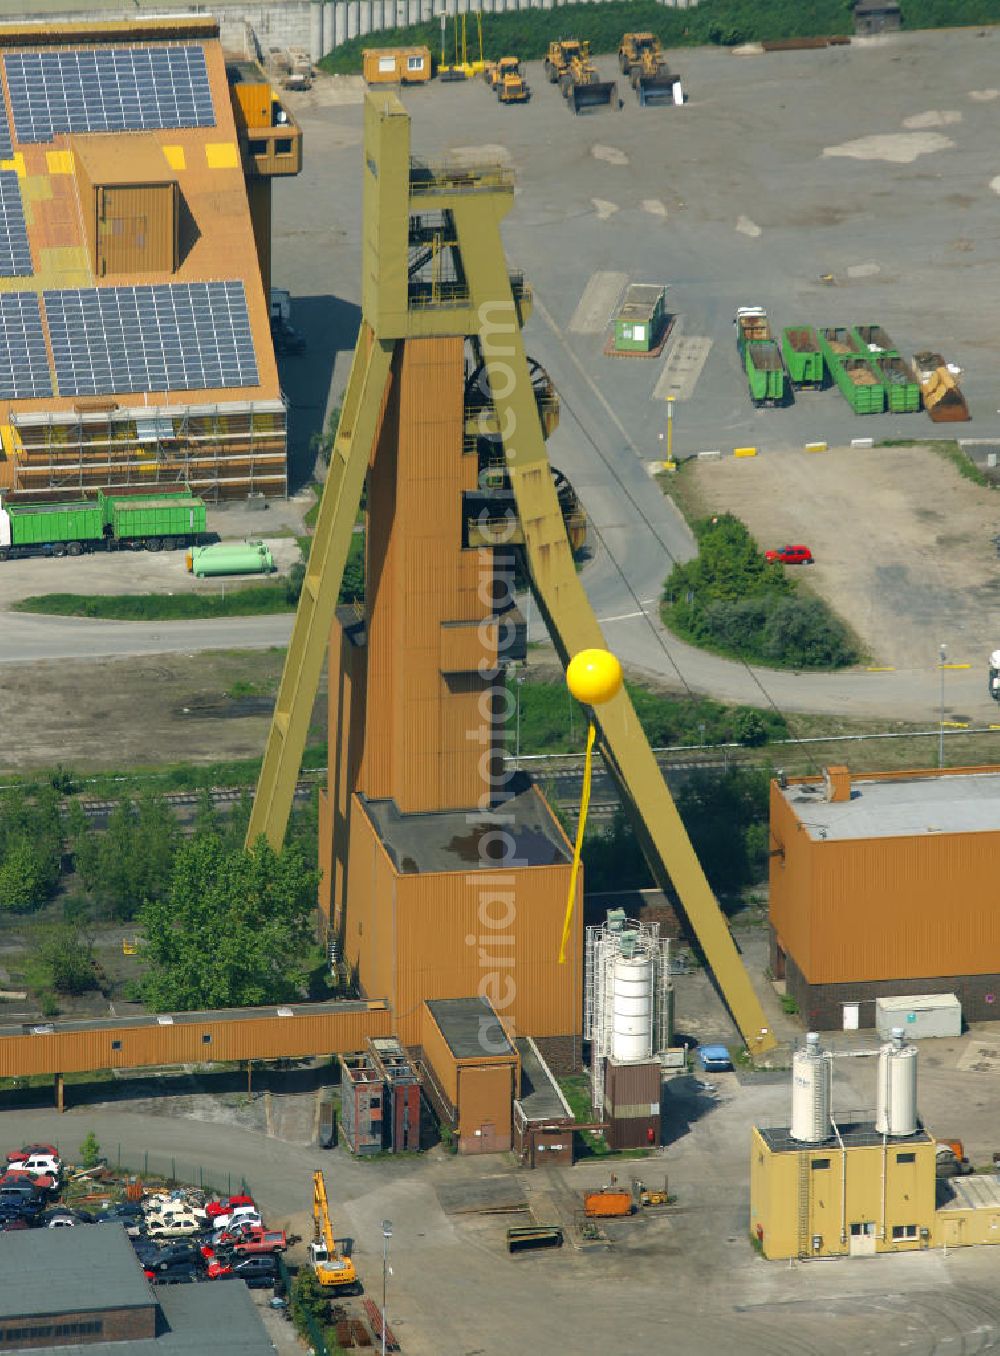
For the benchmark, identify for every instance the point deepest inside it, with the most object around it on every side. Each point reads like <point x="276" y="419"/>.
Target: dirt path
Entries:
<point x="901" y="540"/>
<point x="121" y="713"/>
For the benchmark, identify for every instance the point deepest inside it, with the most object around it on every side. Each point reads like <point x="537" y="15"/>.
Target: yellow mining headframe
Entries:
<point x="455" y="214"/>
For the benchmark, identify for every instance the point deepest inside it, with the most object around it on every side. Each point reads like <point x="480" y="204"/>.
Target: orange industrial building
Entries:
<point x="885" y="884"/>
<point x="471" y="1072"/>
<point x="458" y="878"/>
<point x="135" y="179"/>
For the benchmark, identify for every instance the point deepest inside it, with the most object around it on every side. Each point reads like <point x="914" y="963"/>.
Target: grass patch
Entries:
<point x="720" y="23"/>
<point x="730" y="600"/>
<point x="251" y="601"/>
<point x="233" y="772"/>
<point x="552" y="722"/>
<point x="682" y="487"/>
<point x="951" y="451"/>
<point x="528" y="32"/>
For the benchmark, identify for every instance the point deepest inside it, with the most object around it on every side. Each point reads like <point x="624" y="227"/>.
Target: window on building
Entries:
<point x="902" y="1232"/>
<point x="375" y="1103"/>
<point x="817" y="1163"/>
<point x="257" y="146"/>
<point x="116" y="1045"/>
<point x="283" y="146"/>
<point x="415" y="63"/>
<point x="206" y="1040"/>
<point x="906" y="1158"/>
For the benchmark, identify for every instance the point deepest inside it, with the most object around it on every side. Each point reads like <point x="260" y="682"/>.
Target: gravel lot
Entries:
<point x="901" y="540"/>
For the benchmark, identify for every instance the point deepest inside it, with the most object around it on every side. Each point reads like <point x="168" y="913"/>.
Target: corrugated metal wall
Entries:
<point x="437" y="1053"/>
<point x="884" y="908"/>
<point x="239" y="1038"/>
<point x="137" y="229"/>
<point x="485" y="1104"/>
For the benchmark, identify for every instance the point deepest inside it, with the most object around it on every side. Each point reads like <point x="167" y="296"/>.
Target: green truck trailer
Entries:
<point x="803" y="356"/>
<point x="855" y="375"/>
<point x="765" y="372"/>
<point x="875" y="341"/>
<point x="109" y="522"/>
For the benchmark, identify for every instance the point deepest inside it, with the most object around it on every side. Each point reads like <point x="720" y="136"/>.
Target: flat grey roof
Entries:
<point x="471" y="1027"/>
<point x="541" y="1098"/>
<point x="856" y="1134"/>
<point x="901" y="807"/>
<point x="289" y="1012"/>
<point x="523" y="828"/>
<point x="66" y="1271"/>
<point x="219" y="1317"/>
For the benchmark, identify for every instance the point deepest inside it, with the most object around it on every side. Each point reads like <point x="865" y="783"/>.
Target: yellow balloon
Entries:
<point x="593" y="676"/>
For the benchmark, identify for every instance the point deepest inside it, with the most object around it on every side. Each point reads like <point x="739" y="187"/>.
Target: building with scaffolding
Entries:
<point x="135" y="183"/>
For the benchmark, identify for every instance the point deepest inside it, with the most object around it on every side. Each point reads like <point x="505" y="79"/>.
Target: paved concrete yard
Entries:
<point x="902" y="543"/>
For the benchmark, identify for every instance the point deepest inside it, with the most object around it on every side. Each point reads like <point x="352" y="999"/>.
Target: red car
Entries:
<point x="19" y="1155"/>
<point x="226" y="1207"/>
<point x="791" y="555"/>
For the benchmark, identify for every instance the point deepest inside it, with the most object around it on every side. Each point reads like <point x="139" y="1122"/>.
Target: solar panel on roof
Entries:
<point x="6" y="149"/>
<point x="15" y="252"/>
<point x="118" y="89"/>
<point x="167" y="337"/>
<point x="24" y="363"/>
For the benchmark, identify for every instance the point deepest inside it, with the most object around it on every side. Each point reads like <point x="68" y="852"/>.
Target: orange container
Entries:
<point x="607" y="1204"/>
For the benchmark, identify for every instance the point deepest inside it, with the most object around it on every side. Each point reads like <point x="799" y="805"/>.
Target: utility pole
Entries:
<point x="942" y="659"/>
<point x="386" y="1235"/>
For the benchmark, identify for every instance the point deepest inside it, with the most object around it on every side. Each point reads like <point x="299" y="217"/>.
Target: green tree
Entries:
<point x="63" y="960"/>
<point x="132" y="859"/>
<point x="308" y="1304"/>
<point x="235" y="929"/>
<point x="90" y="1151"/>
<point x="31" y="849"/>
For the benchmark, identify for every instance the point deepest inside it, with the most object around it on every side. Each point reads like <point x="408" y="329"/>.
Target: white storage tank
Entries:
<point x="632" y="1022"/>
<point x="812" y="1085"/>
<point x="896" y="1094"/>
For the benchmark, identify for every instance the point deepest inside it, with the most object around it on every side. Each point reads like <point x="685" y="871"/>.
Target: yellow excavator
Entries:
<point x="334" y="1271"/>
<point x="582" y="86"/>
<point x="506" y="80"/>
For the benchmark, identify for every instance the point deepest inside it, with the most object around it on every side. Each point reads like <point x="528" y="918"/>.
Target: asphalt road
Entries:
<point x="754" y="192"/>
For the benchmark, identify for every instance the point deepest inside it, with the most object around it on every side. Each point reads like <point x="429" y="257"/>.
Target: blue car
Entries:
<point x="714" y="1058"/>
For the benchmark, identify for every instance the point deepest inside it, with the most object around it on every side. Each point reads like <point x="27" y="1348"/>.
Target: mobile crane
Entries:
<point x="333" y="1270"/>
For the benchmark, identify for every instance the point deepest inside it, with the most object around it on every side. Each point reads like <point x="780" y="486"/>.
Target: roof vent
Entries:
<point x="837" y="783"/>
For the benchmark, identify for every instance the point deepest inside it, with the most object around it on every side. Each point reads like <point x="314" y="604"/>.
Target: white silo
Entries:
<point x="627" y="995"/>
<point x="896" y="1094"/>
<point x="632" y="1028"/>
<point x="812" y="1084"/>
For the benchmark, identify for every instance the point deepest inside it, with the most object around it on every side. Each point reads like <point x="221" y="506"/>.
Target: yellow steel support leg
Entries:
<point x="571" y="621"/>
<point x="338" y="511"/>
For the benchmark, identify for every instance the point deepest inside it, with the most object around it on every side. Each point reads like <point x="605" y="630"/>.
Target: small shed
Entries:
<point x="396" y="65"/>
<point x="919" y="1015"/>
<point x="472" y="1071"/>
<point x="639" y="321"/>
<point x="877" y="16"/>
<point x="543" y="1120"/>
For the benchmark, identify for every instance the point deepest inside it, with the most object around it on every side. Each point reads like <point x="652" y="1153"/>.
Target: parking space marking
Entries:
<point x="682" y="369"/>
<point x="598" y="301"/>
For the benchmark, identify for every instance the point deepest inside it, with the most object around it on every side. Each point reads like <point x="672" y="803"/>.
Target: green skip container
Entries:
<point x="245" y="557"/>
<point x="803" y="358"/>
<point x="901" y="390"/>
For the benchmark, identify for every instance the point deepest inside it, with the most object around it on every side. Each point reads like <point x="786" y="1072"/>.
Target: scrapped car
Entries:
<point x="226" y="1206"/>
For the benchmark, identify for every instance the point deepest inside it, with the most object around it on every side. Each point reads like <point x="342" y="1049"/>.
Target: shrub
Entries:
<point x="90" y="1151"/>
<point x="730" y="599"/>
